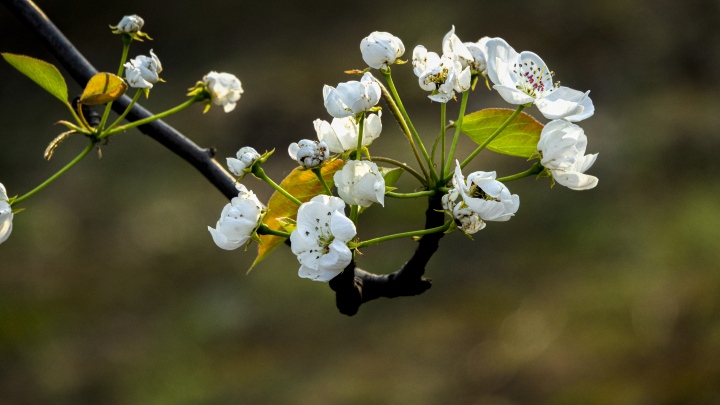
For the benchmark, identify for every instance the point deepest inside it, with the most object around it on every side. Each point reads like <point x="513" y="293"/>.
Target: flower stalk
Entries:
<point x="260" y="173"/>
<point x="171" y="111"/>
<point x="458" y="126"/>
<point x="320" y="177"/>
<point x="266" y="230"/>
<point x="535" y="169"/>
<point x="427" y="193"/>
<point x="402" y="235"/>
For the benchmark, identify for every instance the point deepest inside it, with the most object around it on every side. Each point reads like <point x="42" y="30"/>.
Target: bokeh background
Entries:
<point x="112" y="291"/>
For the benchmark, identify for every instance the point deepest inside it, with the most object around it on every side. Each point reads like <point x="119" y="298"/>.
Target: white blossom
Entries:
<point x="6" y="215"/>
<point x="441" y="75"/>
<point x="309" y="154"/>
<point x="225" y="89"/>
<point x="360" y="183"/>
<point x="353" y="97"/>
<point x="143" y="71"/>
<point x="381" y="49"/>
<point x="342" y="135"/>
<point x="238" y="220"/>
<point x="130" y="24"/>
<point x="524" y="78"/>
<point x="470" y="54"/>
<point x="562" y="148"/>
<point x="320" y="240"/>
<point x="465" y="218"/>
<point x="246" y="156"/>
<point x="485" y="196"/>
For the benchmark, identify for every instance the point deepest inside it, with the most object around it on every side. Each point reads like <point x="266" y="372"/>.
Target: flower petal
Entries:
<point x="342" y="227"/>
<point x="513" y="95"/>
<point x="575" y="180"/>
<point x="561" y="102"/>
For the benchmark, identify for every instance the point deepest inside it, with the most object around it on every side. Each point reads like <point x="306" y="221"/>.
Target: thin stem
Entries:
<point x="77" y="119"/>
<point x="411" y="195"/>
<point x="494" y="134"/>
<point x="358" y="153"/>
<point x="126" y="46"/>
<point x="458" y="126"/>
<point x="403" y="125"/>
<point x="266" y="230"/>
<point x="388" y="78"/>
<point x="127" y="110"/>
<point x="535" y="169"/>
<point x="260" y="173"/>
<point x="154" y="117"/>
<point x="405" y="235"/>
<point x="400" y="164"/>
<point x="444" y="189"/>
<point x="322" y="180"/>
<point x="58" y="174"/>
<point x="443" y="106"/>
<point x="354" y="213"/>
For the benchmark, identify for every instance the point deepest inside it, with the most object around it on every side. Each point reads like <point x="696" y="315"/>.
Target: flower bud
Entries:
<point x="6" y="215"/>
<point x="381" y="49"/>
<point x="225" y="89"/>
<point x="143" y="71"/>
<point x="309" y="154"/>
<point x="562" y="148"/>
<point x="245" y="158"/>
<point x="360" y="183"/>
<point x="130" y="24"/>
<point x="238" y="220"/>
<point x="353" y="97"/>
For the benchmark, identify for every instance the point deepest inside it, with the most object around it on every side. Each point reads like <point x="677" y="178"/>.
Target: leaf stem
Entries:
<point x="535" y="169"/>
<point x="322" y="180"/>
<point x="58" y="174"/>
<point x="443" y="107"/>
<point x="492" y="137"/>
<point x="154" y="117"/>
<point x="400" y="164"/>
<point x="266" y="230"/>
<point x="388" y="78"/>
<point x="403" y="125"/>
<point x="404" y="235"/>
<point x="458" y="125"/>
<point x="411" y="195"/>
<point x="127" y="110"/>
<point x="126" y="46"/>
<point x="260" y="173"/>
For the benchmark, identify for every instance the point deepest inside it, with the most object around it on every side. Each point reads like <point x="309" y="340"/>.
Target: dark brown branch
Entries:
<point x="353" y="287"/>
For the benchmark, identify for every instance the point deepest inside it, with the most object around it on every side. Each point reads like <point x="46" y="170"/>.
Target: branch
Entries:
<point x="81" y="71"/>
<point x="353" y="287"/>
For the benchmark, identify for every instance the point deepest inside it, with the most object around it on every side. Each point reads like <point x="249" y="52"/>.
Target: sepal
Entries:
<point x="18" y="210"/>
<point x="358" y="72"/>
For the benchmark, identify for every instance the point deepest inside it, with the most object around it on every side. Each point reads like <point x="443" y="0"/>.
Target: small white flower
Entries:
<point x="485" y="196"/>
<point x="360" y="183"/>
<point x="320" y="240"/>
<point x="130" y="24"/>
<point x="341" y="136"/>
<point x="562" y="147"/>
<point x="245" y="158"/>
<point x="466" y="219"/>
<point x="353" y="97"/>
<point x="381" y="49"/>
<point x="441" y="75"/>
<point x="143" y="71"/>
<point x="524" y="78"/>
<point x="470" y="54"/>
<point x="6" y="215"/>
<point x="309" y="154"/>
<point x="224" y="88"/>
<point x="238" y="220"/>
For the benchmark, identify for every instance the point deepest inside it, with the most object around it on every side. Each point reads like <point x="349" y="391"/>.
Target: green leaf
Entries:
<point x="391" y="176"/>
<point x="42" y="73"/>
<point x="520" y="138"/>
<point x="103" y="88"/>
<point x="303" y="185"/>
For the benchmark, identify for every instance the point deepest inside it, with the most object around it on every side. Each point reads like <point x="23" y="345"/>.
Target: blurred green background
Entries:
<point x="112" y="291"/>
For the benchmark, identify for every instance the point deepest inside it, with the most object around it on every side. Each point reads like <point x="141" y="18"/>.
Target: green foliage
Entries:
<point x="391" y="175"/>
<point x="520" y="138"/>
<point x="42" y="73"/>
<point x="103" y="88"/>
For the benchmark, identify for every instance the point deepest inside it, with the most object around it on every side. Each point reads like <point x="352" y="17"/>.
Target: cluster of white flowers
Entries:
<point x="360" y="183"/>
<point x="238" y="220"/>
<point x="246" y="156"/>
<point x="562" y="148"/>
<point x="381" y="49"/>
<point x="342" y="134"/>
<point x="225" y="89"/>
<point x="353" y="97"/>
<point x="143" y="71"/>
<point x="6" y="215"/>
<point x="309" y="154"/>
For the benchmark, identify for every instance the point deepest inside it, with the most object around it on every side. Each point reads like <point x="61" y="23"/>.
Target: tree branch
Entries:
<point x="354" y="286"/>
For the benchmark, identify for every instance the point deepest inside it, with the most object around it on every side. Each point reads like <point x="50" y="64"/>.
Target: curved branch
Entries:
<point x="354" y="286"/>
<point x="81" y="71"/>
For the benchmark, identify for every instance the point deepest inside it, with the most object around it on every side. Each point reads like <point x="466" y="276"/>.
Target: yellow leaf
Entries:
<point x="303" y="185"/>
<point x="103" y="88"/>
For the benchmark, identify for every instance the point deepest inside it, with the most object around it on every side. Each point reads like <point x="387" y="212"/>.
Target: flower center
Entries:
<point x="325" y="241"/>
<point x="438" y="78"/>
<point x="533" y="80"/>
<point x="476" y="192"/>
